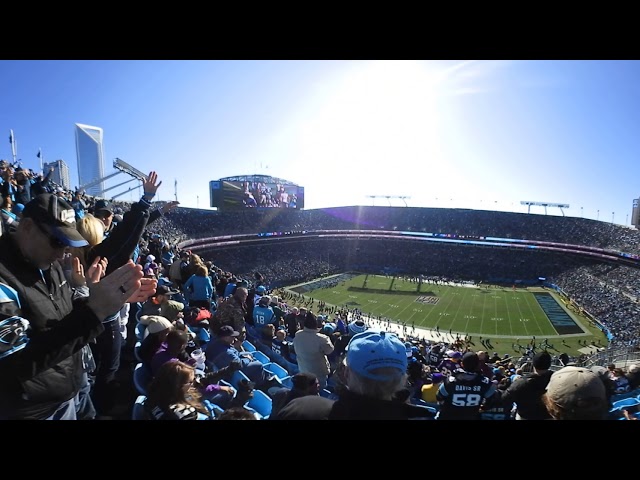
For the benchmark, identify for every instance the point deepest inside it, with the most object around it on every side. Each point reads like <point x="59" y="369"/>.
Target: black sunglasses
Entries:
<point x="54" y="242"/>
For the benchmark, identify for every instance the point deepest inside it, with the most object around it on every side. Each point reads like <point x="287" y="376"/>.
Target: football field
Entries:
<point x="475" y="310"/>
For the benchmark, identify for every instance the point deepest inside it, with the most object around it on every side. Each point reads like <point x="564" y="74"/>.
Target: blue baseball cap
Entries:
<point x="408" y="349"/>
<point x="373" y="349"/>
<point x="261" y="289"/>
<point x="357" y="327"/>
<point x="329" y="328"/>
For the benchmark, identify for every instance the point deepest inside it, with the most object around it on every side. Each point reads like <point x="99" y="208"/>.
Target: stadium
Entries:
<point x="514" y="284"/>
<point x="419" y="271"/>
<point x="527" y="254"/>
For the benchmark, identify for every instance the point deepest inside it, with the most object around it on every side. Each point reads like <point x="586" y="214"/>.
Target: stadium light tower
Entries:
<point x="545" y="205"/>
<point x="389" y="197"/>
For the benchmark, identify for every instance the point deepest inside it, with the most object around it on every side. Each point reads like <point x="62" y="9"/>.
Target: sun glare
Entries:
<point x="382" y="114"/>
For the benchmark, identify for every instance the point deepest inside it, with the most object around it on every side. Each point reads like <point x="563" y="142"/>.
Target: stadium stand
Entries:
<point x="281" y="246"/>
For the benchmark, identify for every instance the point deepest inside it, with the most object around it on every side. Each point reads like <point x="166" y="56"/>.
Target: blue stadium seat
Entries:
<point x="332" y="381"/>
<point x="227" y="384"/>
<point x="202" y="335"/>
<point x="260" y="403"/>
<point x="237" y="377"/>
<point x="624" y="396"/>
<point x="430" y="410"/>
<point x="141" y="378"/>
<point x="290" y="367"/>
<point x="136" y="351"/>
<point x="261" y="357"/>
<point x="252" y="333"/>
<point x="140" y="328"/>
<point x="214" y="409"/>
<point x="286" y="382"/>
<point x="277" y="370"/>
<point x="248" y="346"/>
<point x="328" y="394"/>
<point x="138" y="412"/>
<point x="625" y="403"/>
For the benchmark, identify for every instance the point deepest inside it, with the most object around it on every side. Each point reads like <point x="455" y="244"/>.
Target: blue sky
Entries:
<point x="469" y="134"/>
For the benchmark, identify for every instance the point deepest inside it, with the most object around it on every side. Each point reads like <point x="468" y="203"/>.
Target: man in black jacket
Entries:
<point x="118" y="247"/>
<point x="41" y="368"/>
<point x="527" y="391"/>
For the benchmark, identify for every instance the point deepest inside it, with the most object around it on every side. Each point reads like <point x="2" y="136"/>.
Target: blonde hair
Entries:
<point x="91" y="228"/>
<point x="201" y="270"/>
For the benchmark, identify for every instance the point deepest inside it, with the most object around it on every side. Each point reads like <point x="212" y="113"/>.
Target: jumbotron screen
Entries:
<point x="238" y="195"/>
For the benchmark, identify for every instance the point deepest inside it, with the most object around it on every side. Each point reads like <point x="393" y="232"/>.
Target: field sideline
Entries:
<point x="490" y="311"/>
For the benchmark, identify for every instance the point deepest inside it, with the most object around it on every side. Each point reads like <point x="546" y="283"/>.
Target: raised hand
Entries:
<point x="109" y="294"/>
<point x="73" y="271"/>
<point x="147" y="289"/>
<point x="167" y="207"/>
<point x="97" y="269"/>
<point x="149" y="186"/>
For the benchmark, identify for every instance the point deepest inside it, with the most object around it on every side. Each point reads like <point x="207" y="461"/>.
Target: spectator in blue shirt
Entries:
<point x="198" y="288"/>
<point x="225" y="349"/>
<point x="263" y="315"/>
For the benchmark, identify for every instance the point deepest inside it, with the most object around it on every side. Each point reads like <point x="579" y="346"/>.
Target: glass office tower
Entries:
<point x="90" y="153"/>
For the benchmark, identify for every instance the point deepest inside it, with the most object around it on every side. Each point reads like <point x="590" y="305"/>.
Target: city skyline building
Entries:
<point x="60" y="174"/>
<point x="90" y="154"/>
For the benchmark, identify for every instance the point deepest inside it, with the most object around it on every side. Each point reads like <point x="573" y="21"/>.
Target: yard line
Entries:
<point x="409" y="304"/>
<point x="446" y="308"/>
<point x="526" y="331"/>
<point x="470" y="291"/>
<point x="459" y="305"/>
<point x="506" y="304"/>
<point x="484" y="306"/>
<point x="430" y="312"/>
<point x="495" y="313"/>
<point x="534" y="305"/>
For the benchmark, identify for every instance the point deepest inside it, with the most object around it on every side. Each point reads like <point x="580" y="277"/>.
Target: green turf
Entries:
<point x="493" y="312"/>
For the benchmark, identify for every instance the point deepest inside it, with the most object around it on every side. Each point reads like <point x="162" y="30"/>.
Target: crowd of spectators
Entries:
<point x="293" y="262"/>
<point x="432" y="367"/>
<point x="592" y="289"/>
<point x="550" y="228"/>
<point x="607" y="292"/>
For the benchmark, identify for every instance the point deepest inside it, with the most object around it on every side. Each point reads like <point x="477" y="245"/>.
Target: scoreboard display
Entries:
<point x="255" y="192"/>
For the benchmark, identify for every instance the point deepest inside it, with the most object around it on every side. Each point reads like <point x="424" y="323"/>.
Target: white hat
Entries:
<point x="570" y="384"/>
<point x="155" y="323"/>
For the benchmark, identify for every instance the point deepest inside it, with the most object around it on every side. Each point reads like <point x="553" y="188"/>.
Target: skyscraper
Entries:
<point x="60" y="174"/>
<point x="90" y="153"/>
